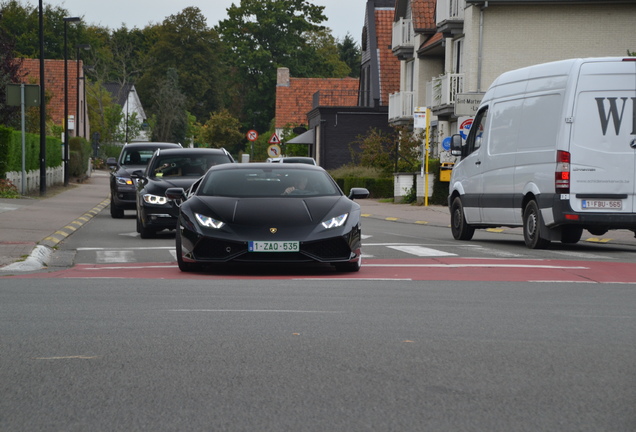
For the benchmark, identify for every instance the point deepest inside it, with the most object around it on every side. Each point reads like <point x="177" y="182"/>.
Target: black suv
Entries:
<point x="170" y="168"/>
<point x="133" y="157"/>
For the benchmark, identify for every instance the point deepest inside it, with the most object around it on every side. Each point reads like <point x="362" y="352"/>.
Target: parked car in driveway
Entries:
<point x="133" y="157"/>
<point x="170" y="168"/>
<point x="268" y="213"/>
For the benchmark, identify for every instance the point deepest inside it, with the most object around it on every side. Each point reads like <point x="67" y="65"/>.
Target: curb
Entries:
<point x="41" y="254"/>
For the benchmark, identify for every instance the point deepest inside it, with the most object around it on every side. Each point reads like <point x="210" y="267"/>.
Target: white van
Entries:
<point x="553" y="149"/>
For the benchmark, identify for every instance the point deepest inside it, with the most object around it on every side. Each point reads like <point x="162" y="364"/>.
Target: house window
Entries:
<point x="458" y="54"/>
<point x="408" y="84"/>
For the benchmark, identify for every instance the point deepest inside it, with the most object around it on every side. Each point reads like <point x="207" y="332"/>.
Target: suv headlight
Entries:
<point x="155" y="199"/>
<point x="124" y="181"/>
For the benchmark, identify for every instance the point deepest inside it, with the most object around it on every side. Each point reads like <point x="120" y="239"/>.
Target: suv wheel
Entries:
<point x="143" y="231"/>
<point x="115" y="212"/>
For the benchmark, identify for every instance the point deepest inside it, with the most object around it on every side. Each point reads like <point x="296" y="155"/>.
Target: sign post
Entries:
<point x="23" y="95"/>
<point x="251" y="136"/>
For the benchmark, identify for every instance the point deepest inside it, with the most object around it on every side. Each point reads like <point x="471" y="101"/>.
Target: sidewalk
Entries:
<point x="435" y="215"/>
<point x="31" y="227"/>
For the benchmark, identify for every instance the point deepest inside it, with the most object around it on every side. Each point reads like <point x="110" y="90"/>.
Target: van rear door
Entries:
<point x="603" y="138"/>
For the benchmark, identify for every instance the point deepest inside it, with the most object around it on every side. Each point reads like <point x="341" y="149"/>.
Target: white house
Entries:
<point x="126" y="96"/>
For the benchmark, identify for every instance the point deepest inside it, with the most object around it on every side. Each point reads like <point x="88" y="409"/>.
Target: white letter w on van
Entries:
<point x="613" y="114"/>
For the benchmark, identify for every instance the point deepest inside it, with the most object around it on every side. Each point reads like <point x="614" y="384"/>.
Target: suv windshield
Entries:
<point x="184" y="165"/>
<point x="136" y="156"/>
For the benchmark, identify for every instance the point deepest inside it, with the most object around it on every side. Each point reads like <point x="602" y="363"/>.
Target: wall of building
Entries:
<point x="522" y="35"/>
<point x="338" y="128"/>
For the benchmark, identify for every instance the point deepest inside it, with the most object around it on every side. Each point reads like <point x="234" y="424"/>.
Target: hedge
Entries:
<point x="378" y="188"/>
<point x="11" y="151"/>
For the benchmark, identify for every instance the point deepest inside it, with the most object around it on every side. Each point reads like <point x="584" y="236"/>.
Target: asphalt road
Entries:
<point x="283" y="355"/>
<point x="307" y="350"/>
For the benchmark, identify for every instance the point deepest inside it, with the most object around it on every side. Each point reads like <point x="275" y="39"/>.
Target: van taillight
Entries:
<point x="562" y="174"/>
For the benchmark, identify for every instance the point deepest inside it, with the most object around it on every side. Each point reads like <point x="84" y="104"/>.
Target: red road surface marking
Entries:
<point x="446" y="268"/>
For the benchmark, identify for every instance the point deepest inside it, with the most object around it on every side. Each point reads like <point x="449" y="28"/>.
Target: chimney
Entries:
<point x="282" y="77"/>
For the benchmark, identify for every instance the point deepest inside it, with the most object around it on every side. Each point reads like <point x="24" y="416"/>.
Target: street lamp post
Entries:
<point x="66" y="152"/>
<point x="42" y="102"/>
<point x="77" y="105"/>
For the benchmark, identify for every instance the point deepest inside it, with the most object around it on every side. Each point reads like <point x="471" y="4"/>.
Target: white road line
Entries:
<point x="125" y="248"/>
<point x="352" y="279"/>
<point x="252" y="310"/>
<point x="139" y="267"/>
<point x="421" y="251"/>
<point x="114" y="256"/>
<point x="478" y="265"/>
<point x="496" y="252"/>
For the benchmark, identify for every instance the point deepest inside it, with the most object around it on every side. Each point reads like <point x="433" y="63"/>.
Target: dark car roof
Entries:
<point x="269" y="166"/>
<point x="187" y="150"/>
<point x="152" y="145"/>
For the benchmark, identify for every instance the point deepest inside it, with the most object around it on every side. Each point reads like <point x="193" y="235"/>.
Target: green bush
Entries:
<point x="79" y="153"/>
<point x="378" y="188"/>
<point x="5" y="136"/>
<point x="373" y="179"/>
<point x="11" y="151"/>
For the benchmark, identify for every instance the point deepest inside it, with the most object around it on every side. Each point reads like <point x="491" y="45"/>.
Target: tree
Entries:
<point x="104" y="115"/>
<point x="186" y="44"/>
<point x="169" y="121"/>
<point x="388" y="152"/>
<point x="23" y="22"/>
<point x="222" y="130"/>
<point x="9" y="74"/>
<point x="324" y="48"/>
<point x="350" y="54"/>
<point x="262" y="35"/>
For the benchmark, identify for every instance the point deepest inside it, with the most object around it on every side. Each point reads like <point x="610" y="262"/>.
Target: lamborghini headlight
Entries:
<point x="155" y="199"/>
<point x="208" y="222"/>
<point x="335" y="222"/>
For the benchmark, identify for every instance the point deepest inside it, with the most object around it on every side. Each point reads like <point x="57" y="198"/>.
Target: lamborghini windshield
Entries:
<point x="270" y="182"/>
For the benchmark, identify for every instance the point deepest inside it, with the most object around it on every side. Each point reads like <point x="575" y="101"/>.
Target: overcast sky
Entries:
<point x="344" y="16"/>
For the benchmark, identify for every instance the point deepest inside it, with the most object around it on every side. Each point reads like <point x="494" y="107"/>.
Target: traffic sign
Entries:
<point x="273" y="151"/>
<point x="274" y="139"/>
<point x="252" y="135"/>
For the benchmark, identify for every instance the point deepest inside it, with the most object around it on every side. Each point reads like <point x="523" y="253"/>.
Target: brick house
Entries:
<point x="338" y="111"/>
<point x="54" y="86"/>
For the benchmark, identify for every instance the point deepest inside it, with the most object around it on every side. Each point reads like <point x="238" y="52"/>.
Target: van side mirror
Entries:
<point x="456" y="145"/>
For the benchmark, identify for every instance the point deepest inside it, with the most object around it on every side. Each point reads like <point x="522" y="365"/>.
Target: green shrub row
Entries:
<point x="11" y="151"/>
<point x="383" y="187"/>
<point x="378" y="188"/>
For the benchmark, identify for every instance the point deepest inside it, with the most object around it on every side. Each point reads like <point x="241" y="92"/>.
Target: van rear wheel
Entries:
<point x="532" y="222"/>
<point x="459" y="227"/>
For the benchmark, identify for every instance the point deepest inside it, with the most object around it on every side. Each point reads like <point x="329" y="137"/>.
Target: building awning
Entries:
<point x="304" y="138"/>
